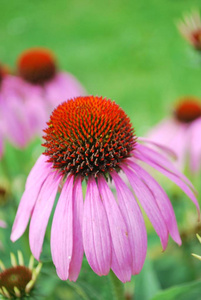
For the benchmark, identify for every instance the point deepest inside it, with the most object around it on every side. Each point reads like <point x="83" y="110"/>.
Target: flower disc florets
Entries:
<point x="36" y="65"/>
<point x="87" y="136"/>
<point x="188" y="110"/>
<point x="18" y="281"/>
<point x="18" y="276"/>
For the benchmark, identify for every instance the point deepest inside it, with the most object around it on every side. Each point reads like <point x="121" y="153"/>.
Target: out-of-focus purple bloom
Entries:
<point x="182" y="133"/>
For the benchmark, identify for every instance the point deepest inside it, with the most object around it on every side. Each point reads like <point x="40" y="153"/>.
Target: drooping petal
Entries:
<point x="164" y="132"/>
<point x="37" y="114"/>
<point x="162" y="161"/>
<point x="172" y="134"/>
<point x="175" y="177"/>
<point x="16" y="125"/>
<point x="96" y="232"/>
<point x="41" y="214"/>
<point x="26" y="206"/>
<point x="78" y="250"/>
<point x="145" y="196"/>
<point x="195" y="145"/>
<point x="121" y="252"/>
<point x="62" y="87"/>
<point x="135" y="223"/>
<point x="62" y="230"/>
<point x="162" y="200"/>
<point x="164" y="148"/>
<point x="1" y="145"/>
<point x="39" y="169"/>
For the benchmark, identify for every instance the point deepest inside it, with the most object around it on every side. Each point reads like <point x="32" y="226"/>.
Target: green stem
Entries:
<point x="5" y="169"/>
<point x="78" y="290"/>
<point x="117" y="287"/>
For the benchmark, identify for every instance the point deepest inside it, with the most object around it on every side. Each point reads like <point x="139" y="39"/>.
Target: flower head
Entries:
<point x="36" y="65"/>
<point x="188" y="110"/>
<point x="38" y="68"/>
<point x="88" y="137"/>
<point x="19" y="280"/>
<point x="90" y="140"/>
<point x="190" y="28"/>
<point x="181" y="132"/>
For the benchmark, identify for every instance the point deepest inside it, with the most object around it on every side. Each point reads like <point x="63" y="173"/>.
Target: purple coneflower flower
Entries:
<point x="38" y="68"/>
<point x="88" y="141"/>
<point x="182" y="132"/>
<point x="190" y="28"/>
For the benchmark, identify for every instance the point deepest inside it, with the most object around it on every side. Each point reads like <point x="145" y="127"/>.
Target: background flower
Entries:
<point x="190" y="28"/>
<point x="181" y="132"/>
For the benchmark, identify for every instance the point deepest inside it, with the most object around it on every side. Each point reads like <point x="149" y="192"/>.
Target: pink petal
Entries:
<point x="195" y="145"/>
<point x="96" y="232"/>
<point x="62" y="230"/>
<point x="3" y="224"/>
<point x="16" y="129"/>
<point x="1" y="145"/>
<point x="170" y="174"/>
<point x="145" y="196"/>
<point x="135" y="223"/>
<point x="64" y="86"/>
<point x="26" y="206"/>
<point x="162" y="161"/>
<point x="121" y="252"/>
<point x="40" y="168"/>
<point x="162" y="200"/>
<point x="164" y="132"/>
<point x="37" y="115"/>
<point x="78" y="250"/>
<point x="41" y="214"/>
<point x="164" y="148"/>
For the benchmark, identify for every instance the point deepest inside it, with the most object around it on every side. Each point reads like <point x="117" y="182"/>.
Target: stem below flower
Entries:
<point x="117" y="287"/>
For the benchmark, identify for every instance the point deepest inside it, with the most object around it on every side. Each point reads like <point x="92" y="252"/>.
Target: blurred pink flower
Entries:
<point x="190" y="28"/>
<point x="38" y="67"/>
<point x="3" y="224"/>
<point x="181" y="132"/>
<point x="21" y="112"/>
<point x="89" y="140"/>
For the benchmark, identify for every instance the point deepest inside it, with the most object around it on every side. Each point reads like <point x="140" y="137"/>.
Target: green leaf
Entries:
<point x="146" y="283"/>
<point x="186" y="291"/>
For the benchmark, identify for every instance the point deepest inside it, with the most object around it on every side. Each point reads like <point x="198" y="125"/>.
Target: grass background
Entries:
<point x="131" y="52"/>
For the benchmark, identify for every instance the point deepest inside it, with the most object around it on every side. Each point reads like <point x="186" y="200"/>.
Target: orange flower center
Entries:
<point x="197" y="38"/>
<point x="188" y="110"/>
<point x="17" y="276"/>
<point x="88" y="135"/>
<point x="3" y="72"/>
<point x="36" y="65"/>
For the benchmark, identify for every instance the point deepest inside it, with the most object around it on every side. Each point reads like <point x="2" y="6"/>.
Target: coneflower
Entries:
<point x="89" y="140"/>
